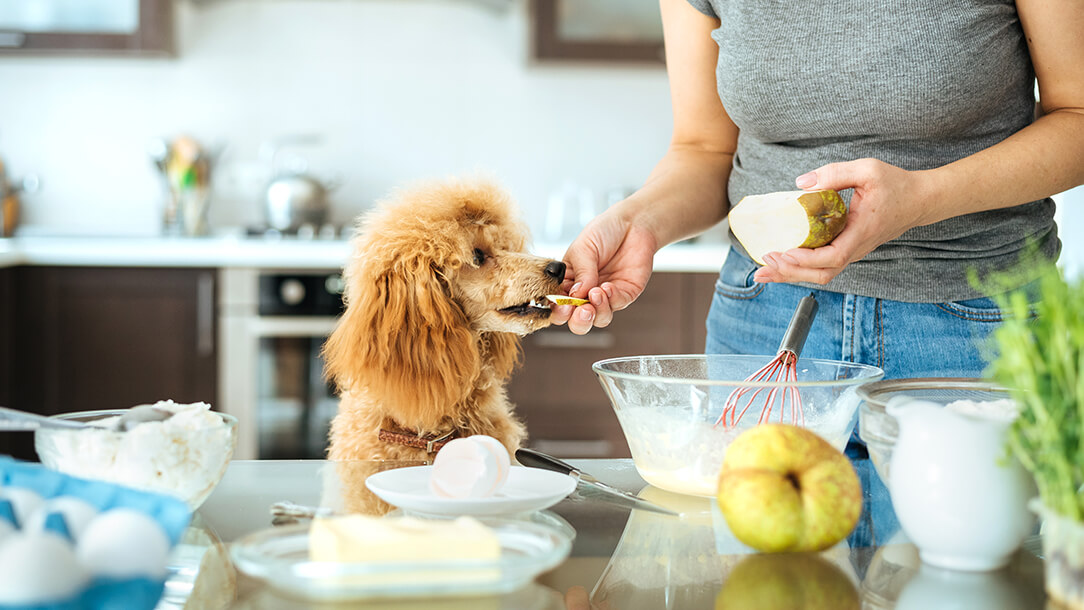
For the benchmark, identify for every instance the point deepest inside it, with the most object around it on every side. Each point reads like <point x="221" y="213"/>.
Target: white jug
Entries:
<point x="957" y="494"/>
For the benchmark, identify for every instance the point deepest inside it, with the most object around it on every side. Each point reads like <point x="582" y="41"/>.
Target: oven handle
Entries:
<point x="291" y="326"/>
<point x="205" y="315"/>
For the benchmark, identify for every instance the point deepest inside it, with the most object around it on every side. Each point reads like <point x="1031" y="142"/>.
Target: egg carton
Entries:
<point x="101" y="593"/>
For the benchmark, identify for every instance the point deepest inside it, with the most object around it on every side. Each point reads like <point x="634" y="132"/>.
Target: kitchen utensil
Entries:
<point x="185" y="167"/>
<point x="15" y="420"/>
<point x="294" y="197"/>
<point x="10" y="191"/>
<point x="784" y="367"/>
<point x="668" y="405"/>
<point x="537" y="459"/>
<point x="297" y="200"/>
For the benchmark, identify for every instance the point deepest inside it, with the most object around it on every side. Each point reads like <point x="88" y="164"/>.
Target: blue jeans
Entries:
<point x="904" y="339"/>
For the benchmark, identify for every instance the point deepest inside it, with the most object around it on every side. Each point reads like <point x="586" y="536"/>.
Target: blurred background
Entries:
<point x="367" y="93"/>
<point x="180" y="178"/>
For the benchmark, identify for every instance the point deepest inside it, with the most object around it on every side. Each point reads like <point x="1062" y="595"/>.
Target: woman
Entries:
<point x="925" y="109"/>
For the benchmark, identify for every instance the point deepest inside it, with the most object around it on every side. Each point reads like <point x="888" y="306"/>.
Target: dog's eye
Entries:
<point x="479" y="257"/>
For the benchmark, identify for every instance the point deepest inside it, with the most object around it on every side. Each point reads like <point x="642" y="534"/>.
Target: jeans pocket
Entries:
<point x="736" y="278"/>
<point x="982" y="309"/>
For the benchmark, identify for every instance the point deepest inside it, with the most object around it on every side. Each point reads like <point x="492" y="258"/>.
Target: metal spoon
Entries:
<point x="15" y="420"/>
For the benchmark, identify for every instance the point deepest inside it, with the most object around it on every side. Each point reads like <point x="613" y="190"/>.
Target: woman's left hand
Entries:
<point x="887" y="201"/>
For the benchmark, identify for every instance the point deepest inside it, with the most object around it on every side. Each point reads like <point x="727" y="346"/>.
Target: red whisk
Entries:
<point x="782" y="368"/>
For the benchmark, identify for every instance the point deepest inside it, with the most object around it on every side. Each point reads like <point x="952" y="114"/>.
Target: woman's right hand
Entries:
<point x="609" y="263"/>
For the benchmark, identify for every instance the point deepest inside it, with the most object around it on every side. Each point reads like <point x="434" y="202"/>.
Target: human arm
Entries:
<point x="1040" y="160"/>
<point x="610" y="261"/>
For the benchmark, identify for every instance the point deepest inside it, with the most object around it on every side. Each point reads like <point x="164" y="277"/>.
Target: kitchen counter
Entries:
<point x="621" y="559"/>
<point x="286" y="253"/>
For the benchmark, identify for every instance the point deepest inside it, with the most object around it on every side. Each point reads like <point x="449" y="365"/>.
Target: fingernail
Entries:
<point x="584" y="315"/>
<point x="574" y="288"/>
<point x="806" y="180"/>
<point x="790" y="260"/>
<point x="769" y="260"/>
<point x="608" y="289"/>
<point x="596" y="293"/>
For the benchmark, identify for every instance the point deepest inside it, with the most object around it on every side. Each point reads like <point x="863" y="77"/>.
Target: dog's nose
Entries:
<point x="556" y="270"/>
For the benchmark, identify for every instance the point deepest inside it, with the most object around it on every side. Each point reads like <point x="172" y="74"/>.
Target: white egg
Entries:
<point x="77" y="513"/>
<point x="124" y="543"/>
<point x="23" y="502"/>
<point x="472" y="467"/>
<point x="37" y="568"/>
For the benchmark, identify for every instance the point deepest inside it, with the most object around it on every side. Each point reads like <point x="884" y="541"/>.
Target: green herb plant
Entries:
<point x="1040" y="358"/>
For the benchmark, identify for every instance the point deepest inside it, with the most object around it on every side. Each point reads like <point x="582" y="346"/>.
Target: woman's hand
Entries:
<point x="609" y="263"/>
<point x="887" y="201"/>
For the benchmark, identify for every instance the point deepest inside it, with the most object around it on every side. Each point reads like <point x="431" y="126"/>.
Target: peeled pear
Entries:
<point x="777" y="222"/>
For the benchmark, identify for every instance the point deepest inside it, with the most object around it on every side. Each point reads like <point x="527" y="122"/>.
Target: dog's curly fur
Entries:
<point x="436" y="300"/>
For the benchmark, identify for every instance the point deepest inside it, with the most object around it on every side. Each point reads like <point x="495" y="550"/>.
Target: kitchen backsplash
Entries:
<point x="397" y="90"/>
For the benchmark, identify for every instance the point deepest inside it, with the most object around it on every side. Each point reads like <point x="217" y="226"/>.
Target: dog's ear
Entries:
<point x="405" y="341"/>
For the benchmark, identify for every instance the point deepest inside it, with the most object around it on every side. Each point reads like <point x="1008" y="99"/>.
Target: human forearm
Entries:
<point x="683" y="196"/>
<point x="1038" y="161"/>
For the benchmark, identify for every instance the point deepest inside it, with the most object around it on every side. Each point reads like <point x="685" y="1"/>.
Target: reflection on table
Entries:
<point x="620" y="560"/>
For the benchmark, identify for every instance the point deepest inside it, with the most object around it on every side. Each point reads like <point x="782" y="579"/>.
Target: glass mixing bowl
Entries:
<point x="879" y="430"/>
<point x="186" y="463"/>
<point x="668" y="407"/>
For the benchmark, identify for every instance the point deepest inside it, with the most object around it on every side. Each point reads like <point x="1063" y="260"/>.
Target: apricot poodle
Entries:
<point x="438" y="292"/>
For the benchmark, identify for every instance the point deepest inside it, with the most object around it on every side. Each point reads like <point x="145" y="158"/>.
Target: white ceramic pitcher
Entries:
<point x="957" y="495"/>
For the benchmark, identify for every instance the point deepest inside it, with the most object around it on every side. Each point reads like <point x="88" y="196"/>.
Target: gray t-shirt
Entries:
<point x="917" y="84"/>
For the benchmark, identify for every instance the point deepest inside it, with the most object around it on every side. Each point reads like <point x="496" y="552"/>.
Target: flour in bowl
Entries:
<point x="1003" y="409"/>
<point x="184" y="455"/>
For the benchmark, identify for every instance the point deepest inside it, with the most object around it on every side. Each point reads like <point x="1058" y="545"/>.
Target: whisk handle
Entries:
<point x="800" y="322"/>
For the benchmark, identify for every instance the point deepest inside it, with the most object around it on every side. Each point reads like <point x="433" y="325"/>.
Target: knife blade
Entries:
<point x="537" y="459"/>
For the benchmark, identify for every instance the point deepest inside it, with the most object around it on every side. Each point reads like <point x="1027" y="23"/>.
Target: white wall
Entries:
<point x="399" y="89"/>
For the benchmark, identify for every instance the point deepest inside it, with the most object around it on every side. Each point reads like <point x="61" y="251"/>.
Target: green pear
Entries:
<point x="777" y="222"/>
<point x="783" y="488"/>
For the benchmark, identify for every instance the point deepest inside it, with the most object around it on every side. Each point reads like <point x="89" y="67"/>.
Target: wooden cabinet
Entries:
<point x="624" y="31"/>
<point x="91" y="338"/>
<point x="557" y="394"/>
<point x="7" y="343"/>
<point x="135" y="27"/>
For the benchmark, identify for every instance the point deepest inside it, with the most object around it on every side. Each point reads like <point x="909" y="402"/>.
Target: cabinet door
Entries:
<point x="627" y="31"/>
<point x="87" y="26"/>
<point x="7" y="341"/>
<point x="104" y="338"/>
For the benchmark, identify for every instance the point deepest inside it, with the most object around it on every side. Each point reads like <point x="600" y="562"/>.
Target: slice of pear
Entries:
<point x="777" y="222"/>
<point x="560" y="299"/>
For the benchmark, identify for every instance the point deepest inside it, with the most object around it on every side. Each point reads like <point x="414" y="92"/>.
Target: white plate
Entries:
<point x="527" y="489"/>
<point x="280" y="557"/>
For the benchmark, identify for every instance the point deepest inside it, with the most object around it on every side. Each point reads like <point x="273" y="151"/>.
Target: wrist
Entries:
<point x="931" y="191"/>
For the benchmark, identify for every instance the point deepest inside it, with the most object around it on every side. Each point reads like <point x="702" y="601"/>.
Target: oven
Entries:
<point x="272" y="327"/>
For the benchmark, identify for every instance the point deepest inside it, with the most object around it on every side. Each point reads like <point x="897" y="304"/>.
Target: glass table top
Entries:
<point x="621" y="559"/>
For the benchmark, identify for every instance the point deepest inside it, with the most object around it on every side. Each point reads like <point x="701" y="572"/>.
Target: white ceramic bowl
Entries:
<point x="668" y="407"/>
<point x="188" y="465"/>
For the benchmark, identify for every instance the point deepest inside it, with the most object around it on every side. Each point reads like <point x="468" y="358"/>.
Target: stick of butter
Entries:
<point x="360" y="539"/>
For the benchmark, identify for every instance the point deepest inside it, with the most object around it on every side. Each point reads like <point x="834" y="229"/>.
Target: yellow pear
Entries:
<point x="783" y="488"/>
